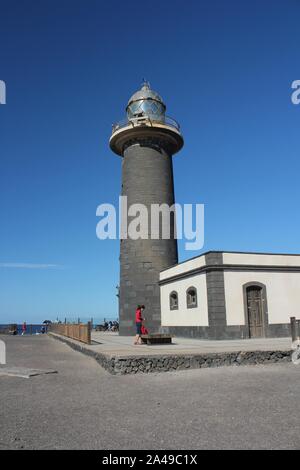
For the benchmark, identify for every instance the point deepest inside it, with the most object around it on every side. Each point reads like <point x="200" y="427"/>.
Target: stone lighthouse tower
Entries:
<point x="146" y="141"/>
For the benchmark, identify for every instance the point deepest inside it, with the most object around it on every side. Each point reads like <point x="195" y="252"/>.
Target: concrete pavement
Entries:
<point x="84" y="407"/>
<point x="112" y="343"/>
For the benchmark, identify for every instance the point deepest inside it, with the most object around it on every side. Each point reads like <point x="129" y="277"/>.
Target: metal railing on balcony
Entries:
<point x="145" y="120"/>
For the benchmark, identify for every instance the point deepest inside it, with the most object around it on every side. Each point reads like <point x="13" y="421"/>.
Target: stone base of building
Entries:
<point x="282" y="330"/>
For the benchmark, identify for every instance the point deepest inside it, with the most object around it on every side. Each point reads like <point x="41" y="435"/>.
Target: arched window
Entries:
<point x="173" y="301"/>
<point x="191" y="297"/>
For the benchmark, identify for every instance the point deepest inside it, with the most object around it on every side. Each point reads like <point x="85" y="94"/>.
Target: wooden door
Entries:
<point x="255" y="312"/>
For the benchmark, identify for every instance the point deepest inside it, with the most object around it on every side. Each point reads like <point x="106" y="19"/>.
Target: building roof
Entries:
<point x="232" y="260"/>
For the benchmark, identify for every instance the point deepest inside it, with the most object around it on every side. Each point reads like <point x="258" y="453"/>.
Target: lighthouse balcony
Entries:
<point x="145" y="120"/>
<point x="164" y="128"/>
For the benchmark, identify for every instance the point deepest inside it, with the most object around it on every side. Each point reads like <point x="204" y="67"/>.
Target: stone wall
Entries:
<point x="168" y="363"/>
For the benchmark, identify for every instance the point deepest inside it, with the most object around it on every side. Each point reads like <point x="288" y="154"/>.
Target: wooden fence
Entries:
<point x="79" y="331"/>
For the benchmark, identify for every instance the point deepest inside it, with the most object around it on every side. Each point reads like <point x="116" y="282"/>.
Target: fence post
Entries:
<point x="293" y="328"/>
<point x="297" y="329"/>
<point x="89" y="329"/>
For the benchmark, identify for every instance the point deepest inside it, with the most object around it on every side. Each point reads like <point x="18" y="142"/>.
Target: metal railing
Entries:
<point x="95" y="320"/>
<point x="145" y="120"/>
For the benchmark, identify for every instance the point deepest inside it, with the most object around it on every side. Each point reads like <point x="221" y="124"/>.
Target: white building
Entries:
<point x="225" y="295"/>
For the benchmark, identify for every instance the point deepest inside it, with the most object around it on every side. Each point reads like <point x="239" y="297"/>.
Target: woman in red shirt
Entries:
<point x="138" y="323"/>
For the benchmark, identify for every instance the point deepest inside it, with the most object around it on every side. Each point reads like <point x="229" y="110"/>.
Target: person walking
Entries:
<point x="138" y="323"/>
<point x="24" y="327"/>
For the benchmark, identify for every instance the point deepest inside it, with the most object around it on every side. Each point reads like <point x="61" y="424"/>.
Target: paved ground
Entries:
<point x="23" y="371"/>
<point x="112" y="343"/>
<point x="85" y="407"/>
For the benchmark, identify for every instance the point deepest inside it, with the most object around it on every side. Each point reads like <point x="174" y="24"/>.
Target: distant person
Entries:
<point x="138" y="323"/>
<point x="14" y="330"/>
<point x="24" y="328"/>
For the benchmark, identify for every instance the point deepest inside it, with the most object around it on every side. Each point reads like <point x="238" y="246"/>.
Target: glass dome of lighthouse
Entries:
<point x="146" y="103"/>
<point x="146" y="119"/>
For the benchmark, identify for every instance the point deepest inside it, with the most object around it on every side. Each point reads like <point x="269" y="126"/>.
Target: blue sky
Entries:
<point x="224" y="70"/>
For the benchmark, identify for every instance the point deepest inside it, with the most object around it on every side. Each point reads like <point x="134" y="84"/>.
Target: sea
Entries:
<point x="30" y="330"/>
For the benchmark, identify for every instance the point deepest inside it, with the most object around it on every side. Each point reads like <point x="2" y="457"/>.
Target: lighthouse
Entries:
<point x="146" y="140"/>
